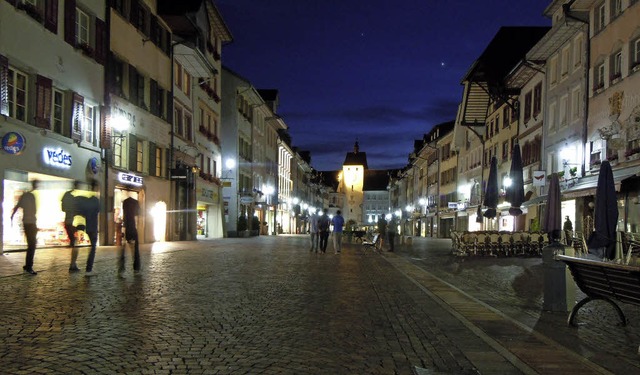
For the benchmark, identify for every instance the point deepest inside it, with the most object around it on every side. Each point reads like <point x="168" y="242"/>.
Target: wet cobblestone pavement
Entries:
<point x="267" y="306"/>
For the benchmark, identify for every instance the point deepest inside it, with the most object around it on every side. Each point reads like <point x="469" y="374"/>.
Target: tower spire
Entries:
<point x="356" y="147"/>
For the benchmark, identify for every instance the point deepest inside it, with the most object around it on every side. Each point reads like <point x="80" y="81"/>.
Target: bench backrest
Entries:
<point x="600" y="279"/>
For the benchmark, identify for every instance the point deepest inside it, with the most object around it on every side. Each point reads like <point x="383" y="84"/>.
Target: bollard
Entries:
<point x="559" y="288"/>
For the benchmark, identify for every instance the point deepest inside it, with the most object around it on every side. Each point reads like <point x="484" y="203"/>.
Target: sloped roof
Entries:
<point x="356" y="158"/>
<point x="485" y="77"/>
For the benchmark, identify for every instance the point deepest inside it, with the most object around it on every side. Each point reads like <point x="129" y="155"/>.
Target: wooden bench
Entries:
<point x="374" y="244"/>
<point x="604" y="281"/>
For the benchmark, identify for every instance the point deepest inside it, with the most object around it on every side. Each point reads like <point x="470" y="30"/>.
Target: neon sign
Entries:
<point x="131" y="179"/>
<point x="57" y="158"/>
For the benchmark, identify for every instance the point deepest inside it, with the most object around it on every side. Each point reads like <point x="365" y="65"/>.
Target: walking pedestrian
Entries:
<point x="392" y="229"/>
<point x="130" y="212"/>
<point x="68" y="206"/>
<point x="382" y="231"/>
<point x="27" y="202"/>
<point x="89" y="207"/>
<point x="313" y="231"/>
<point x="338" y="224"/>
<point x="323" y="228"/>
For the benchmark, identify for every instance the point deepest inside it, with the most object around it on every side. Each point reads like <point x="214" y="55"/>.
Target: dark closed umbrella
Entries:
<point x="515" y="192"/>
<point x="491" y="194"/>
<point x="552" y="221"/>
<point x="602" y="241"/>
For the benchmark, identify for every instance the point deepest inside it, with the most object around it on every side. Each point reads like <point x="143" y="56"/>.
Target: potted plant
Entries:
<point x="242" y="226"/>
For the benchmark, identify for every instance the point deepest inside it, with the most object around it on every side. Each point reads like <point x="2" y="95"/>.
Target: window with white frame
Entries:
<point x="600" y="20"/>
<point x="552" y="116"/>
<point x="82" y="27"/>
<point x="635" y="53"/>
<point x="565" y="63"/>
<point x="577" y="51"/>
<point x="188" y="126"/>
<point x="158" y="157"/>
<point x="17" y="92"/>
<point x="139" y="156"/>
<point x="119" y="146"/>
<point x="553" y="70"/>
<point x="616" y="65"/>
<point x="57" y="117"/>
<point x="88" y="128"/>
<point x="178" y="126"/>
<point x="562" y="111"/>
<point x="576" y="103"/>
<point x="616" y="8"/>
<point x="598" y="79"/>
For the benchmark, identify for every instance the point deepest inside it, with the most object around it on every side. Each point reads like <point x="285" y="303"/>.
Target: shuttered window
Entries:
<point x="44" y="91"/>
<point x="4" y="86"/>
<point x="51" y="15"/>
<point x="152" y="159"/>
<point x="77" y="117"/>
<point x="101" y="42"/>
<point x="133" y="152"/>
<point x="70" y="22"/>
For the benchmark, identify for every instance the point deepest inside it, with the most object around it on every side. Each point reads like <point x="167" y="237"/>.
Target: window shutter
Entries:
<point x="101" y="40"/>
<point x="51" y="15"/>
<point x="153" y="97"/>
<point x="133" y="152"/>
<point x="70" y="22"/>
<point x="77" y="117"/>
<point x="152" y="159"/>
<point x="105" y="129"/>
<point x="4" y="86"/>
<point x="133" y="13"/>
<point x="44" y="91"/>
<point x="133" y="85"/>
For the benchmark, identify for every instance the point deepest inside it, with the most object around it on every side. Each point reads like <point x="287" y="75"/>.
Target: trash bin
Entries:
<point x="559" y="288"/>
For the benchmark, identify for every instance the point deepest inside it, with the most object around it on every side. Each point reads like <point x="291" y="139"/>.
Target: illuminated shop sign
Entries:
<point x="13" y="143"/>
<point x="131" y="179"/>
<point x="58" y="158"/>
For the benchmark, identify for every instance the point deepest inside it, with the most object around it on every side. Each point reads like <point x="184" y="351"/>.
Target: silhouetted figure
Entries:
<point x="338" y="224"/>
<point x="89" y="207"/>
<point x="68" y="206"/>
<point x="323" y="228"/>
<point x="27" y="202"/>
<point x="392" y="229"/>
<point x="313" y="230"/>
<point x="130" y="211"/>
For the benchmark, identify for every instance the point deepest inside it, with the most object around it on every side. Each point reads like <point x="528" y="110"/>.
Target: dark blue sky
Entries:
<point x="382" y="72"/>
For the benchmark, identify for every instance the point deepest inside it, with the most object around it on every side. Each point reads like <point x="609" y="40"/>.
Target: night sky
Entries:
<point x="381" y="72"/>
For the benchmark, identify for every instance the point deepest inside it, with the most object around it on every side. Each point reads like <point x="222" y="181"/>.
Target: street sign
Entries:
<point x="246" y="200"/>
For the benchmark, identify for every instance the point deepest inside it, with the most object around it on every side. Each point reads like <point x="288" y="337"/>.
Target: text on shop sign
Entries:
<point x="57" y="158"/>
<point x="131" y="179"/>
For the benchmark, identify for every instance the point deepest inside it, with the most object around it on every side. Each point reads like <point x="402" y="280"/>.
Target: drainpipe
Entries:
<point x="107" y="106"/>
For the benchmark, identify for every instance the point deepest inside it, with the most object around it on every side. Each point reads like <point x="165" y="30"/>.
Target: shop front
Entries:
<point x="208" y="211"/>
<point x="27" y="156"/>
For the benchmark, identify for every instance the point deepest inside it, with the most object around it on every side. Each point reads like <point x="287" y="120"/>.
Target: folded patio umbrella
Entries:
<point x="552" y="220"/>
<point x="491" y="194"/>
<point x="602" y="241"/>
<point x="515" y="192"/>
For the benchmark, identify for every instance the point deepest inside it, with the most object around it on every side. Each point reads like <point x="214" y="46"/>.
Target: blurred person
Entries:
<point x="68" y="206"/>
<point x="392" y="229"/>
<point x="89" y="207"/>
<point x="27" y="202"/>
<point x="313" y="231"/>
<point x="382" y="230"/>
<point x="338" y="224"/>
<point x="130" y="213"/>
<point x="323" y="229"/>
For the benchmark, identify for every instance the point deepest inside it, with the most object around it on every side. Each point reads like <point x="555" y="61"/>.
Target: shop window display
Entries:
<point x="49" y="214"/>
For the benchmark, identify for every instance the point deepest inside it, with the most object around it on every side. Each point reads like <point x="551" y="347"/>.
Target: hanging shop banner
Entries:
<point x="57" y="157"/>
<point x="539" y="178"/>
<point x="130" y="179"/>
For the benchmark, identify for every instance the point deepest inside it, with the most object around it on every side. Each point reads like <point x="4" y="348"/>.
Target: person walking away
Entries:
<point x="392" y="229"/>
<point x="27" y="202"/>
<point x="323" y="228"/>
<point x="382" y="231"/>
<point x="68" y="206"/>
<point x="130" y="212"/>
<point x="313" y="231"/>
<point x="338" y="224"/>
<point x="89" y="207"/>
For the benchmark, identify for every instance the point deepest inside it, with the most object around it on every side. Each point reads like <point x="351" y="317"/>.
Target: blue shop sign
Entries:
<point x="94" y="165"/>
<point x="13" y="143"/>
<point x="131" y="179"/>
<point x="57" y="157"/>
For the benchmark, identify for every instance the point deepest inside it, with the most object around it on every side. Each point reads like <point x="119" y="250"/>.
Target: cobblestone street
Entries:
<point x="266" y="305"/>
